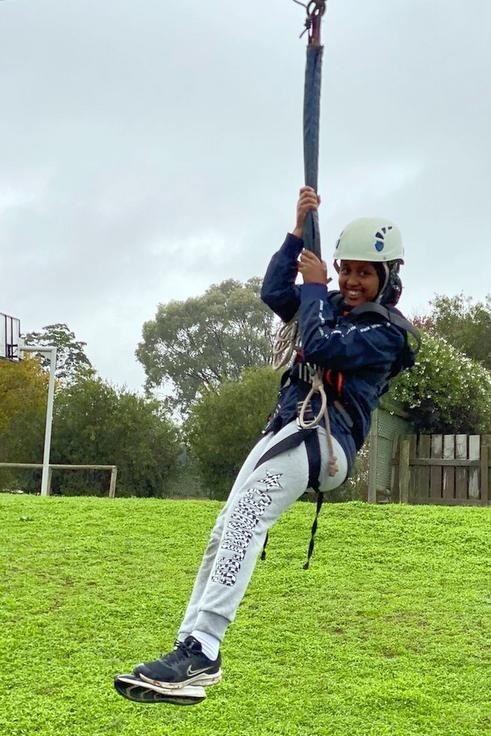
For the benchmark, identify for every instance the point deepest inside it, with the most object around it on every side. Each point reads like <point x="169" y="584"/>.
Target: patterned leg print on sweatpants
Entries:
<point x="240" y="528"/>
<point x="258" y="498"/>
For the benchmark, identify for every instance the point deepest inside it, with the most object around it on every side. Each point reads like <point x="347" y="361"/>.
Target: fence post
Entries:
<point x="484" y="474"/>
<point x="112" y="485"/>
<point x="404" y="471"/>
<point x="372" y="459"/>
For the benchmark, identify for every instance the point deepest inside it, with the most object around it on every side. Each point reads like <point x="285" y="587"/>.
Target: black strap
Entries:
<point x="320" y="501"/>
<point x="314" y="456"/>
<point x="391" y="315"/>
<point x="263" y="553"/>
<point x="311" y="439"/>
<point x="288" y="443"/>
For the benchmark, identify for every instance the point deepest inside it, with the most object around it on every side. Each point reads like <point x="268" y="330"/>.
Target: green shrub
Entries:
<point x="445" y="392"/>
<point x="95" y="423"/>
<point x="224" y="425"/>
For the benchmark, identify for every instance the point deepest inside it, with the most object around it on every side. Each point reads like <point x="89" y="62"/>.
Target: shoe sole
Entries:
<point x="132" y="688"/>
<point x="202" y="680"/>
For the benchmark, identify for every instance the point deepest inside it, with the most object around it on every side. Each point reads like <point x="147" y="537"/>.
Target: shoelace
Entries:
<point x="180" y="652"/>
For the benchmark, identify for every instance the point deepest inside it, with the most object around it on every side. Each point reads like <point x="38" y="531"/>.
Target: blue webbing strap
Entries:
<point x="311" y="118"/>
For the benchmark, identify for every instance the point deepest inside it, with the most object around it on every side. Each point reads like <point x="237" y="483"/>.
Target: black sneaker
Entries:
<point x="186" y="665"/>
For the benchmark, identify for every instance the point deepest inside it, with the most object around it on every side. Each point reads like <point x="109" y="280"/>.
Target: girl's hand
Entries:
<point x="307" y="200"/>
<point x="312" y="269"/>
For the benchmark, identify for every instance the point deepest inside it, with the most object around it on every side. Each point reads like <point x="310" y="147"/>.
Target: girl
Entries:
<point x="352" y="341"/>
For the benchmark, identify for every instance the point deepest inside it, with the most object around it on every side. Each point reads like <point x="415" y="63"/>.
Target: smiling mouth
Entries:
<point x="353" y="294"/>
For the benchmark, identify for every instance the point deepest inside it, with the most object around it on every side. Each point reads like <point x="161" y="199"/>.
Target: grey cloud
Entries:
<point x="150" y="150"/>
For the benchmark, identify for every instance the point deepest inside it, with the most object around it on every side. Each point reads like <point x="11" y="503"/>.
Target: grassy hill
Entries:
<point x="383" y="636"/>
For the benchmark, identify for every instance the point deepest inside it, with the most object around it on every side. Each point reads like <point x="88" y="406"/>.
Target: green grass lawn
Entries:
<point x="385" y="635"/>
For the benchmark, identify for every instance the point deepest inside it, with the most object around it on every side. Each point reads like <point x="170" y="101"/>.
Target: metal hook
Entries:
<point x="315" y="10"/>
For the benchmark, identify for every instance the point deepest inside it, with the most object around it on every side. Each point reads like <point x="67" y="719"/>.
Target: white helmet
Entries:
<point x="370" y="239"/>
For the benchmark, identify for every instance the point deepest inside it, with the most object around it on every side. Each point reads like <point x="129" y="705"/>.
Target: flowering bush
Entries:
<point x="445" y="391"/>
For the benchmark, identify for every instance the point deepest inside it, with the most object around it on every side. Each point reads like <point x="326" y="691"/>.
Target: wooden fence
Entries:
<point x="112" y="468"/>
<point x="442" y="469"/>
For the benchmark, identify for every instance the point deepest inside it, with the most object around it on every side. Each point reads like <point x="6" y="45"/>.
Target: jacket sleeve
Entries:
<point x="333" y="340"/>
<point x="279" y="290"/>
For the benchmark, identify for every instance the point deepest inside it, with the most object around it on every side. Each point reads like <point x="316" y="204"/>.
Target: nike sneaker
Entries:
<point x="186" y="665"/>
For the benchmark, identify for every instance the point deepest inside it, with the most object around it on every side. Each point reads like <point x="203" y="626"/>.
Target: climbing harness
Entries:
<point x="303" y="423"/>
<point x="311" y="439"/>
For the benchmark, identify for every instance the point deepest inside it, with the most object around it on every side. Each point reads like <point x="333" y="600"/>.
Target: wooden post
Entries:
<point x="461" y="473"/>
<point x="404" y="471"/>
<point x="484" y="474"/>
<point x="474" y="454"/>
<point x="436" y="479"/>
<point x="50" y="478"/>
<point x="448" y="472"/>
<point x="112" y="486"/>
<point x="422" y="474"/>
<point x="372" y="459"/>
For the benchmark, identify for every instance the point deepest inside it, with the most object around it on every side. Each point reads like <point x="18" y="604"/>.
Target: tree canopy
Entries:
<point x="23" y="392"/>
<point x="23" y="395"/>
<point x="464" y="324"/>
<point x="72" y="362"/>
<point x="196" y="344"/>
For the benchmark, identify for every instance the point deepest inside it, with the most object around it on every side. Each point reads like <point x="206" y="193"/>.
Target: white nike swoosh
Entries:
<point x="190" y="672"/>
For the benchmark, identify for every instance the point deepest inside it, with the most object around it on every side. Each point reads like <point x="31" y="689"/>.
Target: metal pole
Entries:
<point x="49" y="421"/>
<point x="51" y="353"/>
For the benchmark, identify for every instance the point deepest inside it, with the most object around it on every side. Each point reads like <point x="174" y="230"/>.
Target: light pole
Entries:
<point x="50" y="352"/>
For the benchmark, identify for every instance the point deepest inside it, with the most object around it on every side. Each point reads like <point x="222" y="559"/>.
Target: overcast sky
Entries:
<point x="150" y="149"/>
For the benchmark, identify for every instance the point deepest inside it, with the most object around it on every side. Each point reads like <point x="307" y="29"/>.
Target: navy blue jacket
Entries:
<point x="366" y="351"/>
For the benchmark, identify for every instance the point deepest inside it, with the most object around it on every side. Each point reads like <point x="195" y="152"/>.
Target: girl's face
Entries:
<point x="358" y="282"/>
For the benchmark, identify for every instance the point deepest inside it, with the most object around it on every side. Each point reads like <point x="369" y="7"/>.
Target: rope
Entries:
<point x="285" y="344"/>
<point x="318" y="387"/>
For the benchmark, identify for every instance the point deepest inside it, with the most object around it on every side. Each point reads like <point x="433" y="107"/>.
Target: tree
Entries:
<point x="464" y="324"/>
<point x="95" y="423"/>
<point x="198" y="343"/>
<point x="224" y="424"/>
<point x="23" y="396"/>
<point x="445" y="392"/>
<point x="72" y="363"/>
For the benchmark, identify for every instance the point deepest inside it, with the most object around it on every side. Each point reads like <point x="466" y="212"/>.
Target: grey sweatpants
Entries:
<point x="256" y="501"/>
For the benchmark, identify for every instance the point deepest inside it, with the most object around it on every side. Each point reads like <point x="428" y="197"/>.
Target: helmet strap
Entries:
<point x="382" y="266"/>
